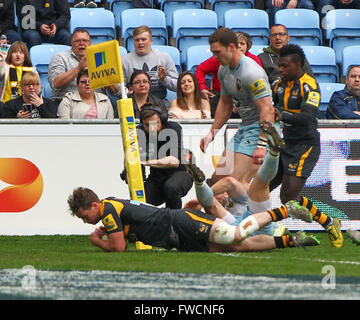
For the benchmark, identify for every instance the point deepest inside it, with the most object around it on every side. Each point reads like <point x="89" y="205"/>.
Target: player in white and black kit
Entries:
<point x="243" y="79"/>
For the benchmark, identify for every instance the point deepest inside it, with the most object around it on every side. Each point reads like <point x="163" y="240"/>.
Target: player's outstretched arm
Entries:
<point x="115" y="242"/>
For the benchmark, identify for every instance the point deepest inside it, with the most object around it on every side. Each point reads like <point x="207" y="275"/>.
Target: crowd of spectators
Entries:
<point x="159" y="72"/>
<point x="149" y="75"/>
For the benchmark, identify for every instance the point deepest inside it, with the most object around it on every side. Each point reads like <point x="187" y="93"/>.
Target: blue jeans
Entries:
<point x="34" y="37"/>
<point x="304" y="4"/>
<point x="12" y="36"/>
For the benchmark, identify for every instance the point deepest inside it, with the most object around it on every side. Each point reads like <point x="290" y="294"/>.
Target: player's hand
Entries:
<point x="193" y="204"/>
<point x="259" y="155"/>
<point x="205" y="141"/>
<point x="97" y="234"/>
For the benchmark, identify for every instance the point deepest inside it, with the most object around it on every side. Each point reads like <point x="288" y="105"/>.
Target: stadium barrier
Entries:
<point x="43" y="160"/>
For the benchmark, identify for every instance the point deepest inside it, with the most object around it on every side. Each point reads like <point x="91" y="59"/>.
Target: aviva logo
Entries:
<point x="100" y="59"/>
<point x="26" y="185"/>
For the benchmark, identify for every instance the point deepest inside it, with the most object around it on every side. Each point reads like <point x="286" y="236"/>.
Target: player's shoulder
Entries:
<point x="309" y="83"/>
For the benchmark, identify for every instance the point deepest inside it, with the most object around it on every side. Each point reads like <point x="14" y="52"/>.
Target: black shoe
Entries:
<point x="275" y="142"/>
<point x="197" y="175"/>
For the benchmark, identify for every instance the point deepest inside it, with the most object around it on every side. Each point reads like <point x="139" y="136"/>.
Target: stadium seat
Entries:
<point x="303" y="26"/>
<point x="255" y="22"/>
<point x="221" y="6"/>
<point x="46" y="88"/>
<point x="342" y="29"/>
<point x="41" y="56"/>
<point x="98" y="22"/>
<point x="170" y="95"/>
<point x="350" y="57"/>
<point x="192" y="27"/>
<point x="117" y="7"/>
<point x="327" y="90"/>
<point x="123" y="51"/>
<point x="195" y="55"/>
<point x="153" y="18"/>
<point x="174" y="54"/>
<point x="256" y="50"/>
<point x="169" y="6"/>
<point x="322" y="62"/>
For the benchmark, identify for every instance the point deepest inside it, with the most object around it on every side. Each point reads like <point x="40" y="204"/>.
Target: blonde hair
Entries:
<point x="30" y="77"/>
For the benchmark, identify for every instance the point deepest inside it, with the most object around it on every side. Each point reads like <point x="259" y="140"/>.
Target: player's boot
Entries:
<point x="295" y="210"/>
<point x="301" y="239"/>
<point x="275" y="142"/>
<point x="197" y="175"/>
<point x="334" y="232"/>
<point x="354" y="235"/>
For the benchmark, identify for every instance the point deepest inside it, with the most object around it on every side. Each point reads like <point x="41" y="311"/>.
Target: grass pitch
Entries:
<point x="76" y="253"/>
<point x="69" y="267"/>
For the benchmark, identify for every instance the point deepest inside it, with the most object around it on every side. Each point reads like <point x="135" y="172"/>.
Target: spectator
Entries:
<point x="159" y="65"/>
<point x="66" y="65"/>
<point x="211" y="67"/>
<point x="142" y="3"/>
<point x="272" y="6"/>
<point x="345" y="104"/>
<point x="270" y="57"/>
<point x="31" y="104"/>
<point x="161" y="149"/>
<point x="140" y="92"/>
<point x="51" y="22"/>
<point x="7" y="21"/>
<point x="89" y="4"/>
<point x="17" y="62"/>
<point x="189" y="104"/>
<point x="85" y="103"/>
<point x="322" y="6"/>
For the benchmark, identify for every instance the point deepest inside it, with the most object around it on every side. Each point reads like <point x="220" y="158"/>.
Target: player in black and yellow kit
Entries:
<point x="183" y="229"/>
<point x="296" y="98"/>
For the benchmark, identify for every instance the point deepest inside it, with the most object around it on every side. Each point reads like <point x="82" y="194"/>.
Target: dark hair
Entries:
<point x="81" y="198"/>
<point x="149" y="109"/>
<point x="136" y="73"/>
<point x="278" y="25"/>
<point x="82" y="72"/>
<point x="180" y="99"/>
<point x="224" y="36"/>
<point x="350" y="68"/>
<point x="295" y="52"/>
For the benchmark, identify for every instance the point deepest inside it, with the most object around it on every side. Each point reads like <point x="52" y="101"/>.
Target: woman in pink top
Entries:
<point x="85" y="103"/>
<point x="189" y="104"/>
<point x="211" y="67"/>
